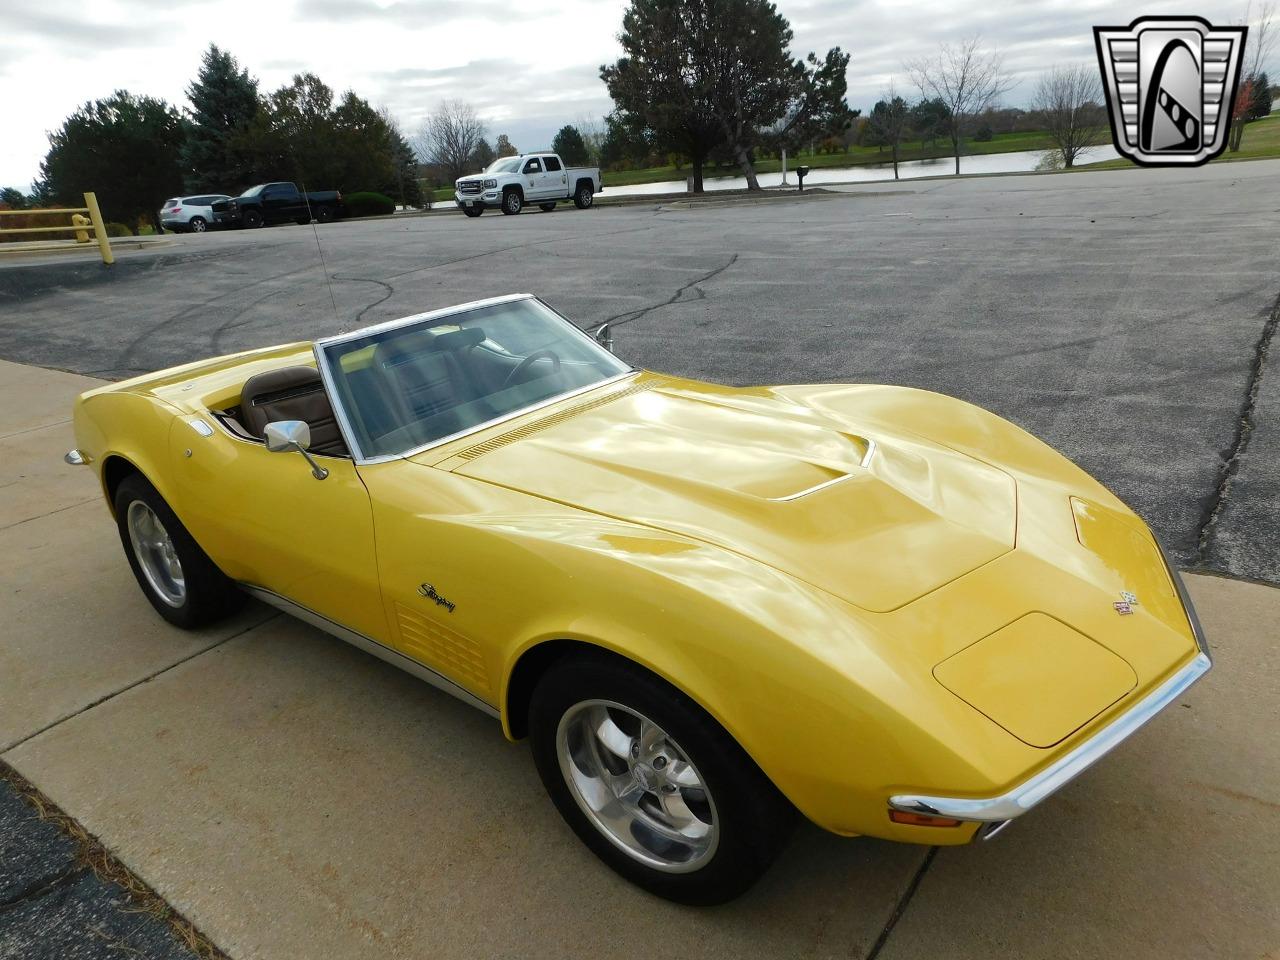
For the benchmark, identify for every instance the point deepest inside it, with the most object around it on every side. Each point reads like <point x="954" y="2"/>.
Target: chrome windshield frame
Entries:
<point x="340" y="413"/>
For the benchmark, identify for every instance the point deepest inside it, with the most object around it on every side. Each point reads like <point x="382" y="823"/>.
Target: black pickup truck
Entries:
<point x="278" y="203"/>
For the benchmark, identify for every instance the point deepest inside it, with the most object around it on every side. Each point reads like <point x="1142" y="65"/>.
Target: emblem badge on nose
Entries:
<point x="1124" y="606"/>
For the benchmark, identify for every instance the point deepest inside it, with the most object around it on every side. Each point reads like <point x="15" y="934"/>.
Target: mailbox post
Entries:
<point x="801" y="173"/>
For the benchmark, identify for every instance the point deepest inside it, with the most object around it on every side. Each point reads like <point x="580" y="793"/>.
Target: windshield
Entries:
<point x="504" y="165"/>
<point x="409" y="386"/>
<point x="254" y="191"/>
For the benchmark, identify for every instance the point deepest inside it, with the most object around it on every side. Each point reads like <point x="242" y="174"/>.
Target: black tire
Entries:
<point x="324" y="214"/>
<point x="209" y="595"/>
<point x="197" y="225"/>
<point x="754" y="820"/>
<point x="584" y="196"/>
<point x="303" y="221"/>
<point x="512" y="202"/>
<point x="473" y="211"/>
<point x="252" y="219"/>
<point x="548" y="206"/>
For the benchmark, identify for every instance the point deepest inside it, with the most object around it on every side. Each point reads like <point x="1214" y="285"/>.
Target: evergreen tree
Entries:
<point x="224" y="103"/>
<point x="124" y="148"/>
<point x="1260" y="104"/>
<point x="570" y="145"/>
<point x="483" y="155"/>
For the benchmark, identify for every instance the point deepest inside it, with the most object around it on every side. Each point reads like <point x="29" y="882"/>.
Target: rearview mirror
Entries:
<point x="286" y="436"/>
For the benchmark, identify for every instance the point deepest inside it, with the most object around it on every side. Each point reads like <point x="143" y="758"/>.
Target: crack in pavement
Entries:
<point x="41" y="887"/>
<point x="903" y="902"/>
<point x="1231" y="457"/>
<point x="630" y="315"/>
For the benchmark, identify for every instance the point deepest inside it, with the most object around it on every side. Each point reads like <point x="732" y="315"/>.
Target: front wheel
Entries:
<point x="473" y="211"/>
<point x="584" y="196"/>
<point x="652" y="784"/>
<point x="324" y="214"/>
<point x="512" y="202"/>
<point x="182" y="583"/>
<point x="252" y="218"/>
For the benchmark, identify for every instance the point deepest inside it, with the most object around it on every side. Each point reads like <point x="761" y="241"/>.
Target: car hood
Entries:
<point x="877" y="518"/>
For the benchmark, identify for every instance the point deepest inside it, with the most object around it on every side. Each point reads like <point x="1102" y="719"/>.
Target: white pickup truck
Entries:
<point x="511" y="182"/>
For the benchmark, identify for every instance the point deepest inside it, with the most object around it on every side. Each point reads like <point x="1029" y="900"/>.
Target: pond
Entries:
<point x="1016" y="162"/>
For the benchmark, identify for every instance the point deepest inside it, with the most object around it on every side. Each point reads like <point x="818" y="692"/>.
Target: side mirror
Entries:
<point x="604" y="337"/>
<point x="287" y="436"/>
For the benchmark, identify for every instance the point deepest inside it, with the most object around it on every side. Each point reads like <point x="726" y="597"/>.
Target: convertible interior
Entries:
<point x="405" y="391"/>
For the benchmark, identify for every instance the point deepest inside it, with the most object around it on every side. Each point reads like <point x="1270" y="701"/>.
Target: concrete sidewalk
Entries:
<point x="296" y="798"/>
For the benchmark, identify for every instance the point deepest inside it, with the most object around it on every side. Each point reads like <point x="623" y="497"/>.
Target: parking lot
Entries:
<point x="294" y="797"/>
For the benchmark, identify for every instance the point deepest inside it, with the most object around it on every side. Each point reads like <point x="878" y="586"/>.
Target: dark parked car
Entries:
<point x="278" y="203"/>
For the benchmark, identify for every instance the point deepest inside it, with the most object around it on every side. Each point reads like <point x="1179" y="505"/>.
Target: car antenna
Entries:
<point x="306" y="199"/>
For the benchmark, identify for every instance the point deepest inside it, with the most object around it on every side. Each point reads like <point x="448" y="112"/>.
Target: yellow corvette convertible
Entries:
<point x="706" y="607"/>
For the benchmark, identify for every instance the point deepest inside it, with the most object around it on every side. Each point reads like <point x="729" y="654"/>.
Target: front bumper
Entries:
<point x="1030" y="792"/>
<point x="489" y="198"/>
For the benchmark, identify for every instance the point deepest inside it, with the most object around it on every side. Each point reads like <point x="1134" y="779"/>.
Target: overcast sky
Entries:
<point x="528" y="68"/>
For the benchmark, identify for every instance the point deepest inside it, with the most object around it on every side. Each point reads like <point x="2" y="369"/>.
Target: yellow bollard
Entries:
<point x="80" y="220"/>
<point x="99" y="228"/>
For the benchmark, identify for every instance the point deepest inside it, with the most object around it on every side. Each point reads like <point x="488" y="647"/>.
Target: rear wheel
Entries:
<point x="197" y="225"/>
<point x="303" y="221"/>
<point x="512" y="202"/>
<point x="324" y="214"/>
<point x="652" y="784"/>
<point x="473" y="211"/>
<point x="182" y="583"/>
<point x="583" y="197"/>
<point x="252" y="218"/>
<point x="547" y="207"/>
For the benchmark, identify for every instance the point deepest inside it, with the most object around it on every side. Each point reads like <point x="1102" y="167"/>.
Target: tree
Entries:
<point x="450" y="137"/>
<point x="224" y="101"/>
<point x="966" y="78"/>
<point x="593" y="134"/>
<point x="125" y="148"/>
<point x="1260" y="102"/>
<point x="890" y="122"/>
<point x="626" y="142"/>
<point x="361" y="155"/>
<point x="483" y="155"/>
<point x="404" y="162"/>
<point x="1070" y="100"/>
<point x="931" y="119"/>
<point x="1261" y="40"/>
<point x="11" y="199"/>
<point x="659" y="96"/>
<point x="504" y="147"/>
<point x="570" y="145"/>
<point x="706" y="74"/>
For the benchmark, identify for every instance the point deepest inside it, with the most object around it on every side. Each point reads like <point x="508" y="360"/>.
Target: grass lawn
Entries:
<point x="1261" y="139"/>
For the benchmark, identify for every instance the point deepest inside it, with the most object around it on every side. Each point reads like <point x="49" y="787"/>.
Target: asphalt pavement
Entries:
<point x="1123" y="316"/>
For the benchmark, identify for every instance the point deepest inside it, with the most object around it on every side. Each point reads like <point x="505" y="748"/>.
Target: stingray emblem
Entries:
<point x="428" y="591"/>
<point x="1170" y="84"/>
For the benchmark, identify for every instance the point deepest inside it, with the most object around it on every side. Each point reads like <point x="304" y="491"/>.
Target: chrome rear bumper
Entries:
<point x="1030" y="792"/>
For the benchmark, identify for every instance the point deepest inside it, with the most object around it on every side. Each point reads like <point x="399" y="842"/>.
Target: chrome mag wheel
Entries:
<point x="156" y="555"/>
<point x="637" y="786"/>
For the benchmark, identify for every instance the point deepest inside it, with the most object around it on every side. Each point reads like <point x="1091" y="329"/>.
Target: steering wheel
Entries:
<point x="529" y="361"/>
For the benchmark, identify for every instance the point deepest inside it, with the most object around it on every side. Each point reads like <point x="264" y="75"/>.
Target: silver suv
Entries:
<point x="190" y="213"/>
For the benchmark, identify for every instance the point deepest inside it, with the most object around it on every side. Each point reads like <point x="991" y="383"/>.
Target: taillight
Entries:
<point x="176" y="210"/>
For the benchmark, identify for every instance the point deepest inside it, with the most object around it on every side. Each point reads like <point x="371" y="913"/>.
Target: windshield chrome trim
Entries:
<point x="340" y="412"/>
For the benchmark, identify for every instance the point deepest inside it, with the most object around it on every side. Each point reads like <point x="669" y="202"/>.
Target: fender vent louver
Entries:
<point x="488" y="446"/>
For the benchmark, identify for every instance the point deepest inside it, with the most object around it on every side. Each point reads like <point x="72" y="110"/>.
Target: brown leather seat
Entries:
<point x="292" y="393"/>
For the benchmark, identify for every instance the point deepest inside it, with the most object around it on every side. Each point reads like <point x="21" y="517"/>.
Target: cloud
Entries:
<point x="62" y="33"/>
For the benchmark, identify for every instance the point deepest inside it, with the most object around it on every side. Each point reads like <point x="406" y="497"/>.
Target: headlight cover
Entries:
<point x="490" y="184"/>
